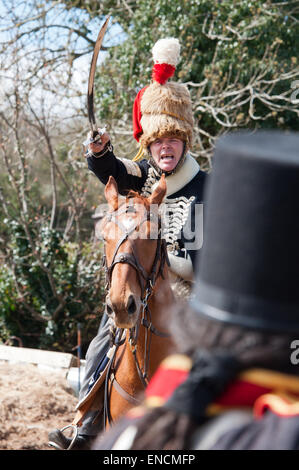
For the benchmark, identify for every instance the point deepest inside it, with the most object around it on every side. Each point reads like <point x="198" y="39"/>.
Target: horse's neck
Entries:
<point x="160" y="309"/>
<point x="161" y="302"/>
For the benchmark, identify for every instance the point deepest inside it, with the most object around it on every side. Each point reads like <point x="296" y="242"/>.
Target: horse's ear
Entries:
<point x="111" y="193"/>
<point x="159" y="193"/>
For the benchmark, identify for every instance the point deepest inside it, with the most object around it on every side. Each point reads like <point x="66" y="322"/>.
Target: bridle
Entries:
<point x="147" y="283"/>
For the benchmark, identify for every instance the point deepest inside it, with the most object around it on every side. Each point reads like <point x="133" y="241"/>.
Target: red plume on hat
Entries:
<point x="166" y="54"/>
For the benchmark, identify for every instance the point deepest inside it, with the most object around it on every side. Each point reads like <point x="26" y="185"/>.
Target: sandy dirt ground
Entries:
<point x="32" y="402"/>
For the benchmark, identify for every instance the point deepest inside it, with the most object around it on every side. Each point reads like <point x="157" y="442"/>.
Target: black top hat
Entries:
<point x="248" y="273"/>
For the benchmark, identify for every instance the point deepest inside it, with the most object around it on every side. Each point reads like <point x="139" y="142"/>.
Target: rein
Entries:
<point x="147" y="283"/>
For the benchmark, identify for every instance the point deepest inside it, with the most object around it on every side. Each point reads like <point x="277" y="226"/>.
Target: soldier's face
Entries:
<point x="167" y="152"/>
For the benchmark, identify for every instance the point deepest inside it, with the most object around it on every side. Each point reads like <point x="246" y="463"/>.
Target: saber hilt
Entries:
<point x="95" y="136"/>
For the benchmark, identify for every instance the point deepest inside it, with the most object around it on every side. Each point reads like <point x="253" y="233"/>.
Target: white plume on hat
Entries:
<point x="167" y="51"/>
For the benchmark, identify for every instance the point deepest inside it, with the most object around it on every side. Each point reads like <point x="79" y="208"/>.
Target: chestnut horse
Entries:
<point x="139" y="298"/>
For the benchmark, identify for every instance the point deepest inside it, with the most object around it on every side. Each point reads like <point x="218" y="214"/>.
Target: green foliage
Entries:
<point x="47" y="288"/>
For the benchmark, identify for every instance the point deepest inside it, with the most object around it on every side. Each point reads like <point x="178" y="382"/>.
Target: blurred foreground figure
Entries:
<point x="236" y="383"/>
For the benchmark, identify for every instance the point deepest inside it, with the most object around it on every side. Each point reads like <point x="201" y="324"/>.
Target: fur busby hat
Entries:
<point x="248" y="271"/>
<point x="163" y="108"/>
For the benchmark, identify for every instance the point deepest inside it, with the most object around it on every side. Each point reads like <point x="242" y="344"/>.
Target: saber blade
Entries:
<point x="90" y="97"/>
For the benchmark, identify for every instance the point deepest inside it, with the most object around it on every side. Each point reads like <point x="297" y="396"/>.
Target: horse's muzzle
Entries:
<point x="125" y="315"/>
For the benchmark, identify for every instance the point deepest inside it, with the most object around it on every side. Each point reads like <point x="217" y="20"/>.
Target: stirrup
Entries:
<point x="55" y="444"/>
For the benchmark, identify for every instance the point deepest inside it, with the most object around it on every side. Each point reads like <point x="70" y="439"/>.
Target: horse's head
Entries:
<point x="134" y="250"/>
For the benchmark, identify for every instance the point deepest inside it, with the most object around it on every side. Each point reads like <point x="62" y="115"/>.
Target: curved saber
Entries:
<point x="90" y="106"/>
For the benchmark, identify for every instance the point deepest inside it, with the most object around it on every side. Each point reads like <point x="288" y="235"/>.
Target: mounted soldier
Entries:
<point x="163" y="125"/>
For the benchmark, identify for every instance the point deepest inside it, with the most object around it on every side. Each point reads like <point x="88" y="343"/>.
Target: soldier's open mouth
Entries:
<point x="166" y="157"/>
